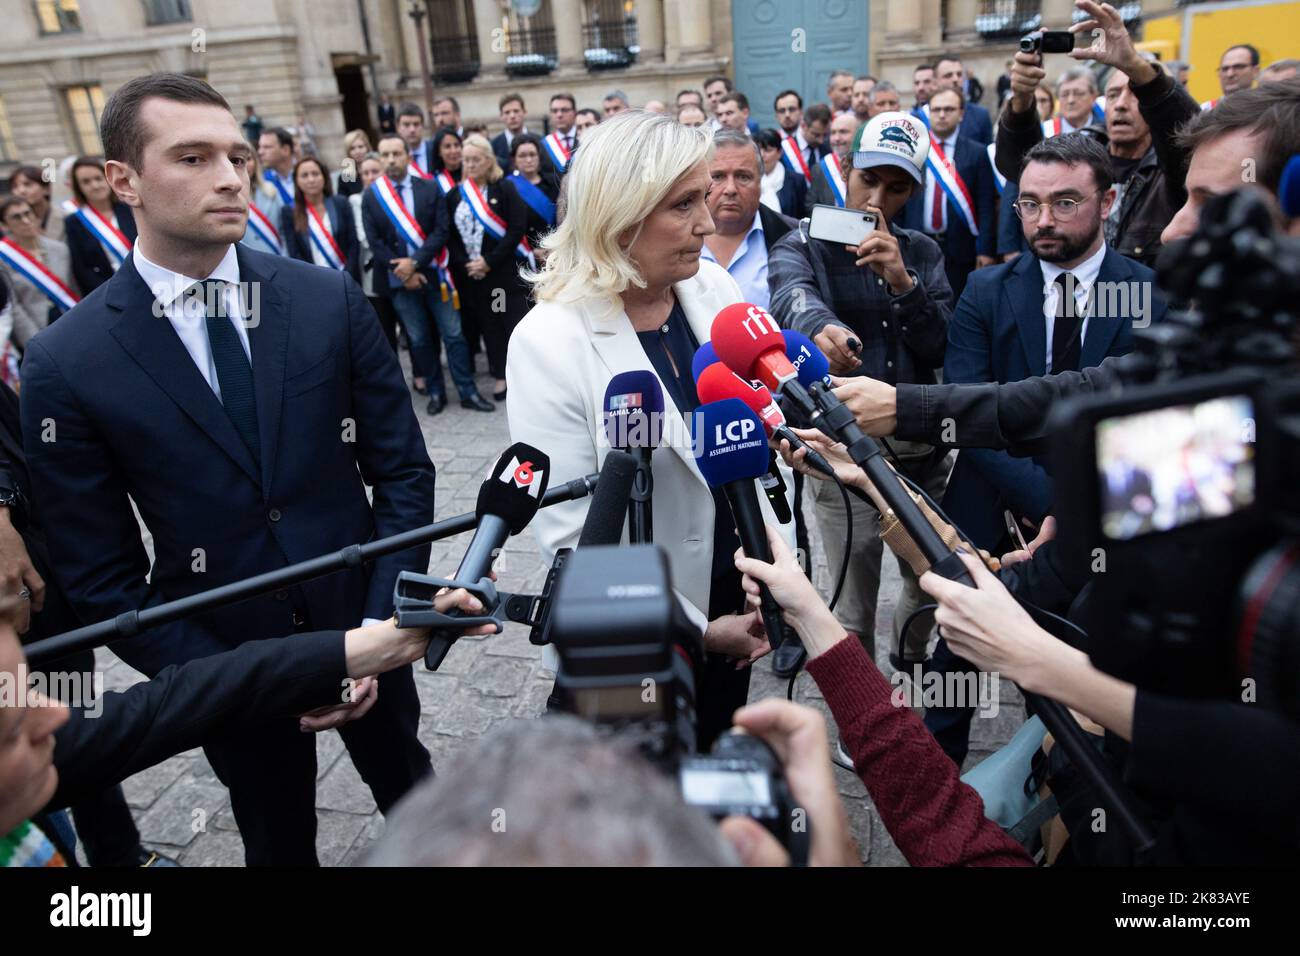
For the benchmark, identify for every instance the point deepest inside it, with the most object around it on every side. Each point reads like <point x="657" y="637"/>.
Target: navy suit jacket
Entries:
<point x="959" y="246"/>
<point x="998" y="334"/>
<point x="90" y="265"/>
<point x="133" y="416"/>
<point x="793" y="194"/>
<point x="339" y="211"/>
<point x="386" y="243"/>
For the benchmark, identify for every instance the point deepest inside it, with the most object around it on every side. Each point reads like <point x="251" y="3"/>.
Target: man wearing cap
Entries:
<point x="890" y="297"/>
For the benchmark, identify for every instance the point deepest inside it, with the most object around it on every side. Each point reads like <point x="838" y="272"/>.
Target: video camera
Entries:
<point x="1182" y="490"/>
<point x="629" y="660"/>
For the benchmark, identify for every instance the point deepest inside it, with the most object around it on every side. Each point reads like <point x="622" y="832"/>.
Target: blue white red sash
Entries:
<point x="1098" y="111"/>
<point x="1053" y="127"/>
<point x="36" y="272"/>
<point x="323" y="239"/>
<point x="922" y="113"/>
<point x="998" y="178"/>
<point x="445" y="182"/>
<point x="792" y="156"/>
<point x="536" y="199"/>
<point x="416" y="170"/>
<point x="493" y="223"/>
<point x="410" y="230"/>
<point x="559" y="153"/>
<point x="830" y="164"/>
<point x="1209" y="104"/>
<point x="945" y="175"/>
<point x="114" y="241"/>
<point x="262" y="228"/>
<point x="274" y="178"/>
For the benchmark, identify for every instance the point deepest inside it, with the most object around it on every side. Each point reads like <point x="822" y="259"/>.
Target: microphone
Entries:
<point x="748" y="339"/>
<point x="507" y="500"/>
<point x="731" y="451"/>
<point x="718" y="382"/>
<point x="634" y="414"/>
<point x="705" y="356"/>
<point x="807" y="359"/>
<point x="608" y="509"/>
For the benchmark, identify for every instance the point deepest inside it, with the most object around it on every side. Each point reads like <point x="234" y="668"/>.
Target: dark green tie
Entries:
<point x="234" y="373"/>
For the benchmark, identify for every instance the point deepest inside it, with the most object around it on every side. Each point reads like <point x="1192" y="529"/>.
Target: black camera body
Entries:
<point x="1047" y="41"/>
<point x="1180" y="492"/>
<point x="629" y="660"/>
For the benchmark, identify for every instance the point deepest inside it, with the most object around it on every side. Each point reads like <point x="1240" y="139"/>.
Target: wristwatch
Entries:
<point x="11" y="497"/>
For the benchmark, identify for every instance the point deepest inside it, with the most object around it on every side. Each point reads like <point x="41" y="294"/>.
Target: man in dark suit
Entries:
<point x="935" y="212"/>
<point x="1065" y="305"/>
<point x="410" y="127"/>
<point x="513" y="116"/>
<point x="243" y="402"/>
<point x="408" y="275"/>
<point x="976" y="124"/>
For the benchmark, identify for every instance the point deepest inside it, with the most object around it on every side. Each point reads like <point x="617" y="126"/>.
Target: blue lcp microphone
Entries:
<point x="731" y="452"/>
<point x="634" y="417"/>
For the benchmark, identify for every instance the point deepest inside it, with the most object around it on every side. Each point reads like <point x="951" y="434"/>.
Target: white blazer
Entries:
<point x="562" y="356"/>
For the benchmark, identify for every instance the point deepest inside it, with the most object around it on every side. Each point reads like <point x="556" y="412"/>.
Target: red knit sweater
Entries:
<point x="934" y="818"/>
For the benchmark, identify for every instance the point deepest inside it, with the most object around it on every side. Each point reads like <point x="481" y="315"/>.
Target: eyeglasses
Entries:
<point x="1061" y="208"/>
<point x="21" y="216"/>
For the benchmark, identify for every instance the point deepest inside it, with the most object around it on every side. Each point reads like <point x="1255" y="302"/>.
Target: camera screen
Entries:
<point x="1175" y="466"/>
<point x="724" y="788"/>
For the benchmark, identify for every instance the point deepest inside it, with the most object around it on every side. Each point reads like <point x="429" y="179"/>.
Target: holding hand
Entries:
<point x="874" y="404"/>
<point x="18" y="574"/>
<point x="1026" y="74"/>
<point x="833" y="340"/>
<point x="738" y="635"/>
<point x="880" y="253"/>
<point x="1111" y="43"/>
<point x="801" y="606"/>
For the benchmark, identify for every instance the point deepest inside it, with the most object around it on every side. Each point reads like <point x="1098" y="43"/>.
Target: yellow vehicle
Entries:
<point x="1199" y="33"/>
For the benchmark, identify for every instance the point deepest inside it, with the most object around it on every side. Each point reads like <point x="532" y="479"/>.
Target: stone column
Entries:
<point x="567" y="16"/>
<point x="491" y="37"/>
<point x="650" y="28"/>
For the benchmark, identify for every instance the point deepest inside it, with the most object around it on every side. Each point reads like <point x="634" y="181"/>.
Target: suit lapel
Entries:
<point x="268" y="338"/>
<point x="1102" y="327"/>
<point x="153" y="344"/>
<point x="1024" y="300"/>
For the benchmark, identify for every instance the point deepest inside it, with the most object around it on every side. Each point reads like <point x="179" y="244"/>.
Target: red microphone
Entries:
<point x="749" y="341"/>
<point x="718" y="382"/>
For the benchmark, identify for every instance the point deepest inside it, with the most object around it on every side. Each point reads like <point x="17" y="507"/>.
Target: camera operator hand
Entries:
<point x="801" y="606"/>
<point x="377" y="649"/>
<point x="1026" y="74"/>
<point x="833" y="340"/>
<point x="1111" y="43"/>
<point x="798" y="736"/>
<point x="738" y="635"/>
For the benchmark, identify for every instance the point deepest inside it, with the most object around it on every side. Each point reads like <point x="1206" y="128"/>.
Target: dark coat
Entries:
<point x="90" y="263"/>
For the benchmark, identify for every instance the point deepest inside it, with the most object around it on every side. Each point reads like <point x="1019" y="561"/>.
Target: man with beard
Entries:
<point x="1068" y="303"/>
<point x="1144" y="109"/>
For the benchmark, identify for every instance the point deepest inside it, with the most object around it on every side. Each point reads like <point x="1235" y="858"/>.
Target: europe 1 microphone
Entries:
<point x="507" y="500"/>
<point x="633" y="419"/>
<point x="749" y="340"/>
<point x="732" y="453"/>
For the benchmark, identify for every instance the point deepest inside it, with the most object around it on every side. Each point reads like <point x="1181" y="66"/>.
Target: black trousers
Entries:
<point x="493" y="316"/>
<point x="271" y="771"/>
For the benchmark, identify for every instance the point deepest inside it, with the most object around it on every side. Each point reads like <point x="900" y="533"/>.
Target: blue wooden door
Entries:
<point x="765" y="44"/>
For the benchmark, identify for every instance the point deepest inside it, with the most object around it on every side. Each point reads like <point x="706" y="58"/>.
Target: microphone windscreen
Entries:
<point x="607" y="513"/>
<point x="741" y="333"/>
<point x="514" y="487"/>
<point x="718" y="382"/>
<point x="1288" y="190"/>
<point x="730" y="444"/>
<point x="705" y="356"/>
<point x="634" y="410"/>
<point x="807" y="358"/>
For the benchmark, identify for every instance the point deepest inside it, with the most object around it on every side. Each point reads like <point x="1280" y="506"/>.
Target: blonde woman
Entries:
<point x="623" y="289"/>
<point x="487" y="247"/>
<point x="347" y="181"/>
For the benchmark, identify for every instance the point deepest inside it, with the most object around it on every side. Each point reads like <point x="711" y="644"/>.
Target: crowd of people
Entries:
<point x="608" y="244"/>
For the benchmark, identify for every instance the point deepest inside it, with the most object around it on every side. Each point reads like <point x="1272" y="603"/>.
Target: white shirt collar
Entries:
<point x="168" y="286"/>
<point x="1085" y="273"/>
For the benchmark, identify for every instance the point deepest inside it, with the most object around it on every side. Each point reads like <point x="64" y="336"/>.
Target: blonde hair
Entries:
<point x="479" y="142"/>
<point x="351" y="137"/>
<point x="622" y="171"/>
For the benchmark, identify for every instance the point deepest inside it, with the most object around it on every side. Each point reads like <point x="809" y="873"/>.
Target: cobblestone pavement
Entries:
<point x="183" y="811"/>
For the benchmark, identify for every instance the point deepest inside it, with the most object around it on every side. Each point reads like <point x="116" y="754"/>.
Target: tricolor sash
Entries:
<point x="831" y="170"/>
<point x="444" y="181"/>
<point x="1209" y="104"/>
<point x="1052" y="127"/>
<point x="263" y="229"/>
<point x="274" y="178"/>
<point x="415" y="169"/>
<point x="36" y="272"/>
<point x="945" y="175"/>
<point x="556" y="149"/>
<point x="410" y="230"/>
<point x="1098" y="112"/>
<point x="536" y="199"/>
<point x="793" y="158"/>
<point x="114" y="241"/>
<point x="493" y="223"/>
<point x="999" y="180"/>
<point x="922" y="113"/>
<point x="323" y="239"/>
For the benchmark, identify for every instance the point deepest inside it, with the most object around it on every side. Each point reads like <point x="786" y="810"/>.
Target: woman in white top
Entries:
<point x="370" y="168"/>
<point x="623" y="289"/>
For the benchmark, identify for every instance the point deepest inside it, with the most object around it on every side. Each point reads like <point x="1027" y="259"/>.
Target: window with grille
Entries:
<point x="997" y="18"/>
<point x="453" y="40"/>
<point x="58" y="16"/>
<point x="532" y="50"/>
<point x="157" y="12"/>
<point x="609" y="34"/>
<point x="85" y="106"/>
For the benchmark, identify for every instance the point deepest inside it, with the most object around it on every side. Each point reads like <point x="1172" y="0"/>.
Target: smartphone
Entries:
<point x="1013" y="529"/>
<point x="848" y="227"/>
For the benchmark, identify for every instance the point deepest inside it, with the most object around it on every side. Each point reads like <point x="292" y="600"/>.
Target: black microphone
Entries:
<point x="634" y="413"/>
<point x="608" y="510"/>
<point x="507" y="501"/>
<point x="731" y="451"/>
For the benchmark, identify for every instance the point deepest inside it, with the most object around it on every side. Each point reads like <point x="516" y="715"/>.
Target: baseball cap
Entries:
<point x="892" y="139"/>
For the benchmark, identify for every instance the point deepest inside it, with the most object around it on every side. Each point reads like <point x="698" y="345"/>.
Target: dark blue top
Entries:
<point x="670" y="350"/>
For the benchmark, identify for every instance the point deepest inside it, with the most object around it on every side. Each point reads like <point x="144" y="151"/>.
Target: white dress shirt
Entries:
<point x="187" y="314"/>
<point x="772" y="183"/>
<point x="1085" y="276"/>
<point x="748" y="265"/>
<point x="931" y="184"/>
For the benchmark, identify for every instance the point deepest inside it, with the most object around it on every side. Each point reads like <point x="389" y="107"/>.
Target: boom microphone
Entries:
<point x="608" y="509"/>
<point x="732" y="452"/>
<point x="634" y="415"/>
<point x="507" y="501"/>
